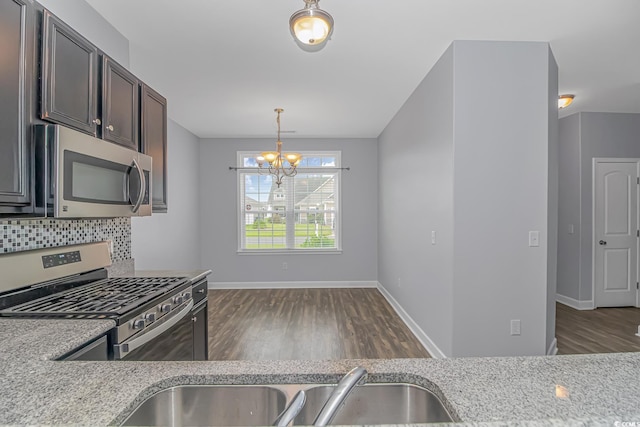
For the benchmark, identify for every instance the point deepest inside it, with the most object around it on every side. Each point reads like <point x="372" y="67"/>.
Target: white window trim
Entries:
<point x="292" y="250"/>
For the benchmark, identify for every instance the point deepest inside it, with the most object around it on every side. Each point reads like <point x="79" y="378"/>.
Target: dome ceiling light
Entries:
<point x="565" y="100"/>
<point x="311" y="27"/>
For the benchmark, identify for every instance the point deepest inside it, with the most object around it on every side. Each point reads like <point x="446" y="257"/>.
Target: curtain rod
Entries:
<point x="311" y="170"/>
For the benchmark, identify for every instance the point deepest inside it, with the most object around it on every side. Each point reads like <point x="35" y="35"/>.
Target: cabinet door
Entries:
<point x="119" y="104"/>
<point x="154" y="143"/>
<point x="96" y="350"/>
<point x="69" y="76"/>
<point x="17" y="49"/>
<point x="200" y="332"/>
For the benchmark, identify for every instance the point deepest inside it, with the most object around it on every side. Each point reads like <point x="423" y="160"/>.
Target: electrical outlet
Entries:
<point x="399" y="283"/>
<point x="285" y="266"/>
<point x="110" y="242"/>
<point x="433" y="237"/>
<point x="515" y="327"/>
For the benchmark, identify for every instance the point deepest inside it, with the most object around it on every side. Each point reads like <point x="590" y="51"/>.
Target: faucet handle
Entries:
<point x="290" y="412"/>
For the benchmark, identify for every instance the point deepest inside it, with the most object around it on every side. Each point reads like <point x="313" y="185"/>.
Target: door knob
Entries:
<point x="110" y="127"/>
<point x="97" y="121"/>
<point x="602" y="242"/>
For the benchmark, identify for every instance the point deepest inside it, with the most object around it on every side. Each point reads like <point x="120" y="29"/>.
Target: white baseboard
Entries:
<point x="424" y="339"/>
<point x="553" y="348"/>
<point x="574" y="303"/>
<point x="291" y="285"/>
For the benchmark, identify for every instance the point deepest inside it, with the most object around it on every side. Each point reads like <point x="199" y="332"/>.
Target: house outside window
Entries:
<point x="301" y="216"/>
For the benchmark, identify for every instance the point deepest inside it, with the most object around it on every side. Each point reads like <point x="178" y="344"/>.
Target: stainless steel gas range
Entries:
<point x="154" y="316"/>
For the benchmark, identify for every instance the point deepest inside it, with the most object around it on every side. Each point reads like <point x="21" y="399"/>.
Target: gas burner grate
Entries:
<point x="101" y="299"/>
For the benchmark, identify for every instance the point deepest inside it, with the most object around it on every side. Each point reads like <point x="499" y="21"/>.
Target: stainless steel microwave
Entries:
<point x="80" y="176"/>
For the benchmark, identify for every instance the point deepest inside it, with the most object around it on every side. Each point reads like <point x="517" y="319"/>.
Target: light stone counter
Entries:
<point x="596" y="390"/>
<point x="46" y="339"/>
<point x="589" y="390"/>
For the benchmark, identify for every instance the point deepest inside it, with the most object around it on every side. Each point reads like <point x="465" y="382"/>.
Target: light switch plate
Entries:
<point x="534" y="238"/>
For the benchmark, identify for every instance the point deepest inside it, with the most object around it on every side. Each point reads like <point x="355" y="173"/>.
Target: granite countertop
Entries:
<point x="546" y="390"/>
<point x="38" y="339"/>
<point x="594" y="389"/>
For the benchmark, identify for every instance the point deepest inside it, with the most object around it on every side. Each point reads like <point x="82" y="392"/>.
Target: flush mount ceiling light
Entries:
<point x="280" y="165"/>
<point x="311" y="27"/>
<point x="564" y="101"/>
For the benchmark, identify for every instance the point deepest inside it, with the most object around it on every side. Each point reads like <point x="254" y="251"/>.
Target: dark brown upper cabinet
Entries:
<point x="17" y="80"/>
<point x="154" y="143"/>
<point x="69" y="77"/>
<point x="120" y="107"/>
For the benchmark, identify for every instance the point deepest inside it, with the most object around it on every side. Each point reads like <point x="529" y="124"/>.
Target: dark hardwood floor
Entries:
<point x="312" y="324"/>
<point x="323" y="324"/>
<point x="603" y="330"/>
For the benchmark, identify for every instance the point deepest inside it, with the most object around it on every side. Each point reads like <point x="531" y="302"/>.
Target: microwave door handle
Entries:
<point x="143" y="185"/>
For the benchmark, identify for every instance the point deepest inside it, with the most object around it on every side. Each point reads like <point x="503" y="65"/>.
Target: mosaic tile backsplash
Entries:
<point x="22" y="235"/>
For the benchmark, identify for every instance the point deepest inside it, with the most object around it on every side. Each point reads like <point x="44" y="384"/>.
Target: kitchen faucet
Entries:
<point x="338" y="396"/>
<point x="290" y="412"/>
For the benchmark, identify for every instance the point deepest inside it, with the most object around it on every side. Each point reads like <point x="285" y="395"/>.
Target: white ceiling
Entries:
<point x="225" y="65"/>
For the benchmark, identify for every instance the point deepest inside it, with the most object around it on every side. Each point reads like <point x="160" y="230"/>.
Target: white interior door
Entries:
<point x="616" y="233"/>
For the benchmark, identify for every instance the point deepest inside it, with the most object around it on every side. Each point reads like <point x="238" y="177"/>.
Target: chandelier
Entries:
<point x="276" y="160"/>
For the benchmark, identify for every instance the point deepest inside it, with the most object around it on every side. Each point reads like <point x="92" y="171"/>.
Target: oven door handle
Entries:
<point x="121" y="350"/>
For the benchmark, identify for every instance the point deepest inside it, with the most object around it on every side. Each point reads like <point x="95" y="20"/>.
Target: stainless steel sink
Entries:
<point x="377" y="404"/>
<point x="210" y="405"/>
<point x="257" y="405"/>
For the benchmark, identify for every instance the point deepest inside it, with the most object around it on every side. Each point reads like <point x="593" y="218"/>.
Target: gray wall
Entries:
<point x="501" y="192"/>
<point x="416" y="196"/>
<point x="482" y="183"/>
<point x="84" y="19"/>
<point x="569" y="208"/>
<point x="552" y="206"/>
<point x="172" y="240"/>
<point x="588" y="135"/>
<point x="219" y="216"/>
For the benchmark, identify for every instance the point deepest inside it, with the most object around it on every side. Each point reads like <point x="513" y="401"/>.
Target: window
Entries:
<point x="302" y="215"/>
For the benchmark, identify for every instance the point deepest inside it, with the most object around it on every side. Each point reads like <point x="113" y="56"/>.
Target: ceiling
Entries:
<point x="225" y="65"/>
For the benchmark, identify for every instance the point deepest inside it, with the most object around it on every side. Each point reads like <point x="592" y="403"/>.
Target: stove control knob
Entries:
<point x="165" y="308"/>
<point x="187" y="296"/>
<point x="150" y="317"/>
<point x="138" y="324"/>
<point x="178" y="300"/>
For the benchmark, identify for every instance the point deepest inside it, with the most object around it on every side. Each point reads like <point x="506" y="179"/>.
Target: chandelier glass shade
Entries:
<point x="311" y="27"/>
<point x="277" y="163"/>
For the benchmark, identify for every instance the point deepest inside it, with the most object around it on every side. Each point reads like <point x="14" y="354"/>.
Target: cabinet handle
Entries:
<point x="110" y="127"/>
<point x="194" y="319"/>
<point x="97" y="121"/>
<point x="201" y="291"/>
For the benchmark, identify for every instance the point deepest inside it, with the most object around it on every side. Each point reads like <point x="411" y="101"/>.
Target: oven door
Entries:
<point x="170" y="338"/>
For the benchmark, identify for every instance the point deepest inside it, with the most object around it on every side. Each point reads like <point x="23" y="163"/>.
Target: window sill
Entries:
<point x="290" y="252"/>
